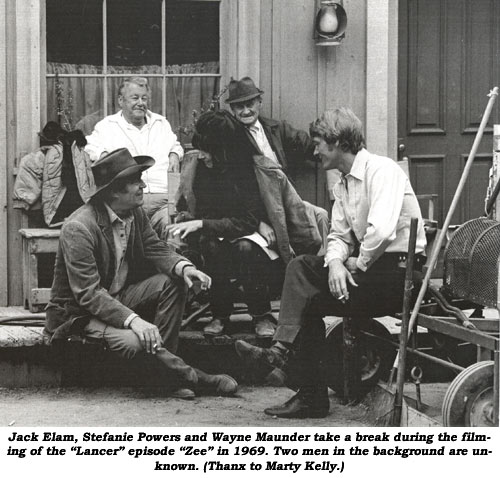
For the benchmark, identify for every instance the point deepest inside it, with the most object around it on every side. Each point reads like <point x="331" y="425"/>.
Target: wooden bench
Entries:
<point x="36" y="242"/>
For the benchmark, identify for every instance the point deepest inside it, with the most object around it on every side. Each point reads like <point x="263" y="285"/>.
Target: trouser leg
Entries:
<point x="254" y="271"/>
<point x="160" y="300"/>
<point x="217" y="257"/>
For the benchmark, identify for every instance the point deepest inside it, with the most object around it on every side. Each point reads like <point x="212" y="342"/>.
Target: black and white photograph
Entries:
<point x="238" y="233"/>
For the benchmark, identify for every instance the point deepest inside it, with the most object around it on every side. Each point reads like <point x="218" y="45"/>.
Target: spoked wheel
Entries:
<point x="375" y="356"/>
<point x="469" y="399"/>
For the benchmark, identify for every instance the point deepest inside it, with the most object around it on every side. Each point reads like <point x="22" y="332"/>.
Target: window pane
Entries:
<point x="74" y="31"/>
<point x="192" y="32"/>
<point x="134" y="33"/>
<point x="75" y="102"/>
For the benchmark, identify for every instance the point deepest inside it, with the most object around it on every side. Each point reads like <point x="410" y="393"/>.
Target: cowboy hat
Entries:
<point x="118" y="164"/>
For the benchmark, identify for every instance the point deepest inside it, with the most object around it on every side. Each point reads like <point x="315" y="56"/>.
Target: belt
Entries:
<point x="392" y="260"/>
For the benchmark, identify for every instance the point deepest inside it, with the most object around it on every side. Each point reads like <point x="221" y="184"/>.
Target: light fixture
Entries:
<point x="330" y="23"/>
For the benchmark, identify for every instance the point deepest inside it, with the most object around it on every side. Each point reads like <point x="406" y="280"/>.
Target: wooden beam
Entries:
<point x="3" y="157"/>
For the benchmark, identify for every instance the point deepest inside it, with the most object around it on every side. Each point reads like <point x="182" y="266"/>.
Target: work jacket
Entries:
<point x="86" y="264"/>
<point x="38" y="181"/>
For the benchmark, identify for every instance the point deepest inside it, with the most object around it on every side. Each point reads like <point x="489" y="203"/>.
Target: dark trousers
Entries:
<point x="306" y="299"/>
<point x="245" y="261"/>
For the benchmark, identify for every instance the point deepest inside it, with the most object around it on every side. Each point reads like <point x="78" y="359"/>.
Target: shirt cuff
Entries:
<point x="129" y="319"/>
<point x="179" y="267"/>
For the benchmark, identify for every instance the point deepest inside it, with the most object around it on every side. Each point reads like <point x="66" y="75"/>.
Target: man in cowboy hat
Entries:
<point x="117" y="282"/>
<point x="237" y="138"/>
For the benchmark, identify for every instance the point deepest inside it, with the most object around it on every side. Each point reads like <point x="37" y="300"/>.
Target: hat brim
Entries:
<point x="230" y="101"/>
<point x="145" y="162"/>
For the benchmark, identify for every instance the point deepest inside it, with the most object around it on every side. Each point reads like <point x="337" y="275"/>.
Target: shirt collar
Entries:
<point x="359" y="165"/>
<point x="256" y="127"/>
<point x="113" y="217"/>
<point x="124" y="122"/>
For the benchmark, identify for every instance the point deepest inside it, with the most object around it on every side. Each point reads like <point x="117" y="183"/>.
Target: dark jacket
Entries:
<point x="85" y="268"/>
<point x="237" y="207"/>
<point x="289" y="144"/>
<point x="295" y="229"/>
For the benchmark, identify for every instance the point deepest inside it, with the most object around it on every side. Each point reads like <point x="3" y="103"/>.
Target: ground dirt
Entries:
<point x="116" y="407"/>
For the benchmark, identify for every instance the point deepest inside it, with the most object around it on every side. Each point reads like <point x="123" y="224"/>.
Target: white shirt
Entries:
<point x="374" y="204"/>
<point x="155" y="139"/>
<point x="259" y="135"/>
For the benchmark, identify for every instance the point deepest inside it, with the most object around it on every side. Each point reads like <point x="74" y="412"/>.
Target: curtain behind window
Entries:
<point x="80" y="100"/>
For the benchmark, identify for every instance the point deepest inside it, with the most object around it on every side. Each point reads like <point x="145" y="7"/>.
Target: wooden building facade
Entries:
<point x="384" y="70"/>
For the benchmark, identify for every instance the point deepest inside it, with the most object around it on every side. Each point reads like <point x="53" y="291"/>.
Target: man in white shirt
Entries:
<point x="142" y="132"/>
<point x="362" y="274"/>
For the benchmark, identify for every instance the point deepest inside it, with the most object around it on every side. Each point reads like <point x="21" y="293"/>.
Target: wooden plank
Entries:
<point x="35" y="233"/>
<point x="18" y="336"/>
<point x="3" y="159"/>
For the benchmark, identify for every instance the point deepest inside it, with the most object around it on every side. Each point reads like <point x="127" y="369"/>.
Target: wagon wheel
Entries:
<point x="375" y="356"/>
<point x="469" y="398"/>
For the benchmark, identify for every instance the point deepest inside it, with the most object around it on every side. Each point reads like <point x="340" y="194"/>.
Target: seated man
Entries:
<point x="142" y="132"/>
<point x="255" y="155"/>
<point x="362" y="274"/>
<point x="112" y="269"/>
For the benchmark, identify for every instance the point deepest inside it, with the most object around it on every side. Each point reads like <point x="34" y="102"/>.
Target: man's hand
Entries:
<point x="182" y="229"/>
<point x="173" y="163"/>
<point x="338" y="277"/>
<point x="351" y="265"/>
<point x="267" y="232"/>
<point x="191" y="274"/>
<point x="148" y="334"/>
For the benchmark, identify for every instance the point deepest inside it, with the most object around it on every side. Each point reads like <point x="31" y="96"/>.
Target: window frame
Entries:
<point x="105" y="75"/>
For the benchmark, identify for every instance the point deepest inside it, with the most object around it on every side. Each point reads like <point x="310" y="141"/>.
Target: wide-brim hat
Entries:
<point x="242" y="90"/>
<point x="118" y="164"/>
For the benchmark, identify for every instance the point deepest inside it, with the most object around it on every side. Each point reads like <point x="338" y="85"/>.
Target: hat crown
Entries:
<point x="118" y="164"/>
<point x="242" y="90"/>
<point x="108" y="167"/>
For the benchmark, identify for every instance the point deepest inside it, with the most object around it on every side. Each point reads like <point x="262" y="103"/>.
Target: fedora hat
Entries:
<point x="118" y="164"/>
<point x="242" y="90"/>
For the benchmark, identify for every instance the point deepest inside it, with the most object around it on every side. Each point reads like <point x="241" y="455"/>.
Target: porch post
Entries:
<point x="382" y="77"/>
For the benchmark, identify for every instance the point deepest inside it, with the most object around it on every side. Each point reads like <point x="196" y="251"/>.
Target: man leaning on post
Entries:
<point x="115" y="281"/>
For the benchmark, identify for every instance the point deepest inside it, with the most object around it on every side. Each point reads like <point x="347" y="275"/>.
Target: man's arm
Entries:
<point x="78" y="248"/>
<point x="386" y="190"/>
<point x="296" y="141"/>
<point x="96" y="141"/>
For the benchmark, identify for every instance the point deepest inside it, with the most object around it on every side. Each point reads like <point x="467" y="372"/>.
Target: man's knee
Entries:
<point x="244" y="248"/>
<point x="123" y="342"/>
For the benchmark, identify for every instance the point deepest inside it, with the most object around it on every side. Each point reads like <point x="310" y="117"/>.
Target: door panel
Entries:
<point x="448" y="63"/>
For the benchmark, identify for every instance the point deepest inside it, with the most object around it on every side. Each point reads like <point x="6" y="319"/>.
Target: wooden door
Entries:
<point x="448" y="63"/>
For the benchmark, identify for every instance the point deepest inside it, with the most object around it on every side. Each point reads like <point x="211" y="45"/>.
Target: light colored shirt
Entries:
<point x="259" y="135"/>
<point x="155" y="139"/>
<point x="121" y="232"/>
<point x="374" y="204"/>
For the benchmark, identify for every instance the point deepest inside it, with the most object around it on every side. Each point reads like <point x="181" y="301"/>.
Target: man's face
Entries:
<point x="134" y="103"/>
<point x="247" y="112"/>
<point x="329" y="154"/>
<point x="131" y="195"/>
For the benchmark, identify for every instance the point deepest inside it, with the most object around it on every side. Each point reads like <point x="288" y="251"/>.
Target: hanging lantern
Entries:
<point x="330" y="23"/>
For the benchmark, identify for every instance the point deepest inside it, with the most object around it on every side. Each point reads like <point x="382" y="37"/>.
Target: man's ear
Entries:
<point x="120" y="100"/>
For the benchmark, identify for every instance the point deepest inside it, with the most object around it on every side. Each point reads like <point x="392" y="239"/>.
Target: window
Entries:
<point x="93" y="44"/>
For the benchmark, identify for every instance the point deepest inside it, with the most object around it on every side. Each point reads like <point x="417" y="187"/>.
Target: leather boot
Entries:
<point x="309" y="402"/>
<point x="219" y="384"/>
<point x="274" y="356"/>
<point x="176" y="365"/>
